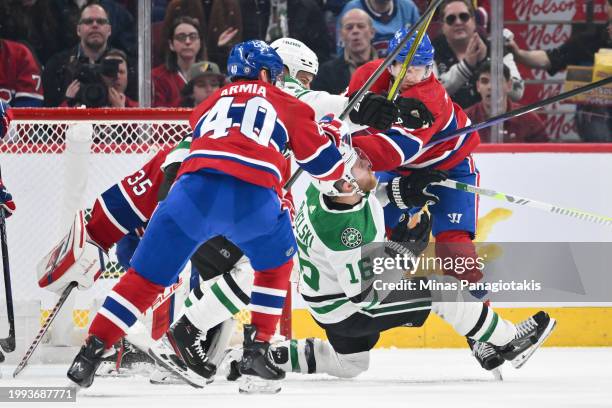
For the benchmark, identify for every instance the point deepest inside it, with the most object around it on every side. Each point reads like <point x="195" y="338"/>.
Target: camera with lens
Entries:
<point x="93" y="92"/>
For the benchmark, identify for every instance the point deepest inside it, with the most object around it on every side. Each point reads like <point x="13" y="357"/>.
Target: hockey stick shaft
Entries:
<point x="375" y="75"/>
<point x="527" y="202"/>
<point x="413" y="48"/>
<point x="7" y="344"/>
<point x="44" y="328"/>
<point x="443" y="137"/>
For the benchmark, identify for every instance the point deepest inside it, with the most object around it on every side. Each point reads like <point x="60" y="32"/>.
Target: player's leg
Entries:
<point x="184" y="218"/>
<point x="454" y="220"/>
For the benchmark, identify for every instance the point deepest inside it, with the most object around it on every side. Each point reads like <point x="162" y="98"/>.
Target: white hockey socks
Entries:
<point x="312" y="355"/>
<point x="211" y="304"/>
<point x="476" y="320"/>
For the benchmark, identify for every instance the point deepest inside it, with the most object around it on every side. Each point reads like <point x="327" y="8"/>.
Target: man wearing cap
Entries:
<point x="206" y="78"/>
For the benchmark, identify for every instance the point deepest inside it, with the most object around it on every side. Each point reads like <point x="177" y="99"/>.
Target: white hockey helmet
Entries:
<point x="296" y="56"/>
<point x="328" y="188"/>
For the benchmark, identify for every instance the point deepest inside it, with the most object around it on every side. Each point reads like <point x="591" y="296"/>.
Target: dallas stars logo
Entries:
<point x="351" y="238"/>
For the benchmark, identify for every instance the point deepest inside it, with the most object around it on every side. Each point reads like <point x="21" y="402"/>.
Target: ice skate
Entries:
<point x="259" y="373"/>
<point x="83" y="368"/>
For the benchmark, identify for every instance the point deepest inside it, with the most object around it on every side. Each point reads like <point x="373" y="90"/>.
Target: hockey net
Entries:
<point x="53" y="168"/>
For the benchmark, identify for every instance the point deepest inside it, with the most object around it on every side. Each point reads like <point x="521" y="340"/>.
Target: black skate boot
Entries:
<point x="485" y="354"/>
<point x="530" y="334"/>
<point x="183" y="351"/>
<point x="259" y="372"/>
<point x="83" y="368"/>
<point x="127" y="360"/>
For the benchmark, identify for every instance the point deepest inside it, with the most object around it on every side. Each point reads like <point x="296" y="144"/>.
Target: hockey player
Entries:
<point x="241" y="166"/>
<point x="405" y="150"/>
<point x="335" y="225"/>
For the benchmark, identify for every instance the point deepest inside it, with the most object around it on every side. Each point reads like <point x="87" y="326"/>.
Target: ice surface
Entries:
<point x="554" y="377"/>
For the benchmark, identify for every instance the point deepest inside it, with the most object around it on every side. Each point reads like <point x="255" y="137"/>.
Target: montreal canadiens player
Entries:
<point x="404" y="150"/>
<point x="229" y="185"/>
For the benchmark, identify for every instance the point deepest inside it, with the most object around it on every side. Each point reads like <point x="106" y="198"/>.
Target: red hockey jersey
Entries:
<point x="19" y="75"/>
<point x="408" y="148"/>
<point x="244" y="128"/>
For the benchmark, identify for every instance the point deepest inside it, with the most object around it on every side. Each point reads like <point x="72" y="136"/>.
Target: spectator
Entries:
<point x="220" y="20"/>
<point x="34" y="23"/>
<point x="300" y="19"/>
<point x="115" y="85"/>
<point x="93" y="30"/>
<point x="388" y="16"/>
<point x="123" y="35"/>
<point x="527" y="128"/>
<point x="19" y="75"/>
<point x="459" y="52"/>
<point x="184" y="48"/>
<point x="357" y="32"/>
<point x="594" y="122"/>
<point x="206" y="78"/>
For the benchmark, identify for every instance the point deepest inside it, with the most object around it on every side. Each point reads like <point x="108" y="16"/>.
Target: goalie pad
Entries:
<point x="74" y="259"/>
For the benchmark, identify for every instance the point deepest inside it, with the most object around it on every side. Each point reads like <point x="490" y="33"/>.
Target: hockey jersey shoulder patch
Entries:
<point x="340" y="230"/>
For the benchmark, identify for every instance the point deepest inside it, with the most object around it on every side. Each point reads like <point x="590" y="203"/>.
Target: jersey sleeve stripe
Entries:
<point x="131" y="203"/>
<point x="120" y="209"/>
<point x="324" y="164"/>
<point x="404" y="143"/>
<point x="110" y="217"/>
<point x="247" y="161"/>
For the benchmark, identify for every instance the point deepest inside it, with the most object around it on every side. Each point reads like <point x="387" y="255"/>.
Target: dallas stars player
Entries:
<point x="333" y="225"/>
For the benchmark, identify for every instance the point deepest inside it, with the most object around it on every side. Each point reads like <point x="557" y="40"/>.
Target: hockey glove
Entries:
<point x="333" y="128"/>
<point x="410" y="191"/>
<point x="375" y="111"/>
<point x="6" y="201"/>
<point x="415" y="238"/>
<point x="413" y="113"/>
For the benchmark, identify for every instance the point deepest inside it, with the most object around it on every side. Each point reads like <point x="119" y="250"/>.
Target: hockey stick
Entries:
<point x="7" y="344"/>
<point x="396" y="84"/>
<point x="444" y="136"/>
<point x="44" y="328"/>
<point x="570" y="212"/>
<point x="375" y="75"/>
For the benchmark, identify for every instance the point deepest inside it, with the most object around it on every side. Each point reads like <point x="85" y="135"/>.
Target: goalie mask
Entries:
<point x="350" y="157"/>
<point x="296" y="56"/>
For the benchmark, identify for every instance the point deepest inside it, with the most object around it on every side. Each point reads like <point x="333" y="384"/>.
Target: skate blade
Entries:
<point x="522" y="358"/>
<point x="497" y="374"/>
<point x="250" y="384"/>
<point x="164" y="360"/>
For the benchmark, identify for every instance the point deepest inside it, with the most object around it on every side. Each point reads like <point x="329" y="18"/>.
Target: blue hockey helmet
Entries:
<point x="247" y="58"/>
<point x="424" y="54"/>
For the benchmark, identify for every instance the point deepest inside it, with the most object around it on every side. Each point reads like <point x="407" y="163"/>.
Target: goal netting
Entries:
<point x="54" y="162"/>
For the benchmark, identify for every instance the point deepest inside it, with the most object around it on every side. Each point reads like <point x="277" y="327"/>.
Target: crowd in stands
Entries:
<point x="84" y="52"/>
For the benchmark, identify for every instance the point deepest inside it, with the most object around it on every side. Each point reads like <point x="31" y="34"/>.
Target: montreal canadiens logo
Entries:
<point x="351" y="238"/>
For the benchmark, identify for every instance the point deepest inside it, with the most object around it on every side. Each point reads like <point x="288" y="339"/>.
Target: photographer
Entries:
<point x="105" y="84"/>
<point x="62" y="68"/>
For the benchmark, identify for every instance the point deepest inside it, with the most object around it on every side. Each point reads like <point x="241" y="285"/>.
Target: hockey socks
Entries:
<point x="208" y="305"/>
<point x="312" y="355"/>
<point x="267" y="299"/>
<point x="476" y="321"/>
<point x="130" y="297"/>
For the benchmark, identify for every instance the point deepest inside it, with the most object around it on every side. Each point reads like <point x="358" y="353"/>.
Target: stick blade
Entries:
<point x="8" y="344"/>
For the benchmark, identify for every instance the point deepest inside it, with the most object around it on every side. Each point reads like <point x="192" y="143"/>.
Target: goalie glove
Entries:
<point x="74" y="259"/>
<point x="410" y="191"/>
<point x="6" y="201"/>
<point x="375" y="111"/>
<point x="413" y="113"/>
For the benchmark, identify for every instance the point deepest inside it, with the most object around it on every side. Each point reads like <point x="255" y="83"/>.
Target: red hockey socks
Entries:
<point x="130" y="297"/>
<point x="458" y="244"/>
<point x="267" y="299"/>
